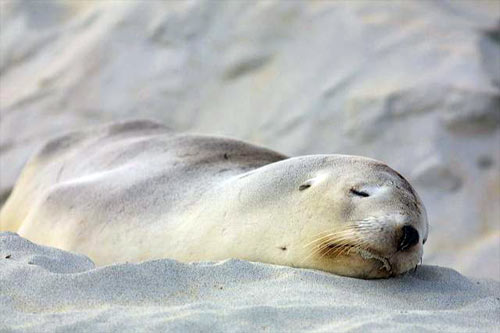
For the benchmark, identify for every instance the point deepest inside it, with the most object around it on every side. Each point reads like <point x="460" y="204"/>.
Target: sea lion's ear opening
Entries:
<point x="318" y="178"/>
<point x="305" y="185"/>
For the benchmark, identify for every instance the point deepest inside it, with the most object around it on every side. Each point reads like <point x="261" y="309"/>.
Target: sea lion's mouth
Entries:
<point x="364" y="253"/>
<point x="367" y="254"/>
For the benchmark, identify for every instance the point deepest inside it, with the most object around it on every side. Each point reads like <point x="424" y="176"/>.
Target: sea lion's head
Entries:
<point x="363" y="219"/>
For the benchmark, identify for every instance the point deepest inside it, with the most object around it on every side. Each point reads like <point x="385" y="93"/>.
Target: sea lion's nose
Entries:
<point x="409" y="237"/>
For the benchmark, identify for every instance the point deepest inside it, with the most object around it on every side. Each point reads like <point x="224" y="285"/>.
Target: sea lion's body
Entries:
<point x="135" y="191"/>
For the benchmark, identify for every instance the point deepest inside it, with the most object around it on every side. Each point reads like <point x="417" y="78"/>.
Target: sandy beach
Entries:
<point x="415" y="84"/>
<point x="47" y="290"/>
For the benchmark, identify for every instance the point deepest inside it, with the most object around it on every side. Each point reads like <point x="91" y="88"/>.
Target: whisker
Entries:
<point x="336" y="244"/>
<point x="332" y="236"/>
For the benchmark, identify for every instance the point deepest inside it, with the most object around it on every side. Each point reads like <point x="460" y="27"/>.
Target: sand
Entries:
<point x="415" y="84"/>
<point x="48" y="290"/>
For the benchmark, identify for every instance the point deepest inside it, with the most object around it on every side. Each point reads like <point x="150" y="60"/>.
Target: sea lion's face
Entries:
<point x="370" y="221"/>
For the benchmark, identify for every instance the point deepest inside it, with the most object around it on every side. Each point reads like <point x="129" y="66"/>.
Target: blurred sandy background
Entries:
<point x="414" y="84"/>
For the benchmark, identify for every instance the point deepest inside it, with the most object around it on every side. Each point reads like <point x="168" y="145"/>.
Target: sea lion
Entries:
<point x="136" y="191"/>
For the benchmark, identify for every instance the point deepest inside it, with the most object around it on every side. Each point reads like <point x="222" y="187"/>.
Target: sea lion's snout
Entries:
<point x="409" y="238"/>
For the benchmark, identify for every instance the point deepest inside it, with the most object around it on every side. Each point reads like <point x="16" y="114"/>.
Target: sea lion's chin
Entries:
<point x="355" y="266"/>
<point x="368" y="263"/>
<point x="387" y="265"/>
<point x="403" y="262"/>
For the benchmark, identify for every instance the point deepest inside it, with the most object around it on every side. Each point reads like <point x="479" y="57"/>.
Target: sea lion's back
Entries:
<point x="137" y="168"/>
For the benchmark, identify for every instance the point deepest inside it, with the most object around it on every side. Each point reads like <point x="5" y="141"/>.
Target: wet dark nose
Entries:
<point x="408" y="238"/>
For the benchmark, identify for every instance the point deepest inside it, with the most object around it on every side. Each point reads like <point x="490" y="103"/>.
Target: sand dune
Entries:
<point x="415" y="84"/>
